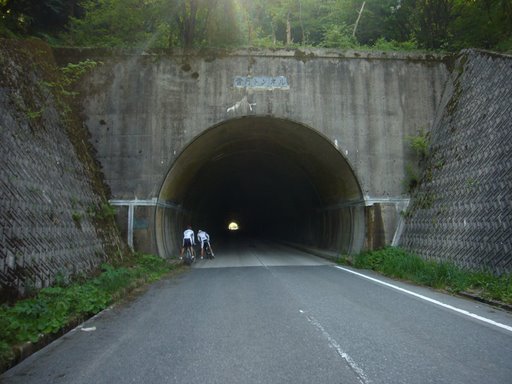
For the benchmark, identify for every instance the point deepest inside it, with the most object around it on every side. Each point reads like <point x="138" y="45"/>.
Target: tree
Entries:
<point x="224" y="26"/>
<point x="430" y="24"/>
<point x="339" y="36"/>
<point x="374" y="20"/>
<point x="427" y="21"/>
<point x="434" y="21"/>
<point x="121" y="23"/>
<point x="191" y="18"/>
<point x="202" y="22"/>
<point x="400" y="25"/>
<point x="28" y="17"/>
<point x="482" y="23"/>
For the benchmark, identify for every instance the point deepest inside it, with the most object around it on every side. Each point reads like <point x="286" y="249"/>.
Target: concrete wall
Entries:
<point x="339" y="118"/>
<point x="143" y="110"/>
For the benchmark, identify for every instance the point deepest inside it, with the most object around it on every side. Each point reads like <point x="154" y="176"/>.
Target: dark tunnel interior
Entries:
<point x="275" y="178"/>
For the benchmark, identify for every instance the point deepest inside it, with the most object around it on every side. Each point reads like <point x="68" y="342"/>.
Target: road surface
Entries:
<point x="270" y="314"/>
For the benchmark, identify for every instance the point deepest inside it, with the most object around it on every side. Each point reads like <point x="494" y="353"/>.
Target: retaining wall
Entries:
<point x="47" y="195"/>
<point x="462" y="210"/>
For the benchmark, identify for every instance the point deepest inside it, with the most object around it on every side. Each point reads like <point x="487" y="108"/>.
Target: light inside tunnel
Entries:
<point x="233" y="226"/>
<point x="283" y="180"/>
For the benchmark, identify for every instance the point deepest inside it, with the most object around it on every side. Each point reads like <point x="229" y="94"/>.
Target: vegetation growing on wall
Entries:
<point x="62" y="85"/>
<point x="384" y="24"/>
<point x="419" y="144"/>
<point x="41" y="98"/>
<point x="420" y="172"/>
<point x="61" y="81"/>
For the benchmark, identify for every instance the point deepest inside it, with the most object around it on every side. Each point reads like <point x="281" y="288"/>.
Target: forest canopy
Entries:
<point x="447" y="25"/>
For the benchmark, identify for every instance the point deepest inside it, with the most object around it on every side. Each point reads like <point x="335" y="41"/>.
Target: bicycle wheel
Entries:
<point x="209" y="252"/>
<point x="188" y="256"/>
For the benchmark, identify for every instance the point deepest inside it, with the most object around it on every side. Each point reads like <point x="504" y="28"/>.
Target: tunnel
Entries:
<point x="278" y="180"/>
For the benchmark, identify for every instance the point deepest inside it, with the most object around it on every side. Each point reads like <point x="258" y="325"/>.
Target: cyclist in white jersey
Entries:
<point x="204" y="238"/>
<point x="188" y="241"/>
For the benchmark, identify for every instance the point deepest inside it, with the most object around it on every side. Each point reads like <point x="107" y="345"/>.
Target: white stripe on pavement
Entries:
<point x="363" y="379"/>
<point x="455" y="309"/>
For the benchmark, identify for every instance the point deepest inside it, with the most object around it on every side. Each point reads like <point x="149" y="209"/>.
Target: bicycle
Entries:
<point x="209" y="252"/>
<point x="189" y="255"/>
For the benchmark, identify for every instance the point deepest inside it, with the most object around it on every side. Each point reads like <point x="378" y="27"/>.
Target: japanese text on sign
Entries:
<point x="261" y="82"/>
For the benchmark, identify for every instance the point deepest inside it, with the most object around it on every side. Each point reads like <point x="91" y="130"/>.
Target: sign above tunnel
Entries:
<point x="261" y="82"/>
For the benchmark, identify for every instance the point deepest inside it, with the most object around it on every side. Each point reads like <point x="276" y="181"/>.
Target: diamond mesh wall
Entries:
<point x="462" y="210"/>
<point x="46" y="195"/>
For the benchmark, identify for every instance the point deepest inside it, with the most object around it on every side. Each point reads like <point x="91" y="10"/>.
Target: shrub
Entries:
<point x="53" y="308"/>
<point x="391" y="45"/>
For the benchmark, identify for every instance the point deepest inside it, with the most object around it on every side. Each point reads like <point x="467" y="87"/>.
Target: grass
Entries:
<point x="397" y="263"/>
<point x="55" y="308"/>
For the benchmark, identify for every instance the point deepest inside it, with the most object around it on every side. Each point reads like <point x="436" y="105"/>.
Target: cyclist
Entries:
<point x="204" y="238"/>
<point x="188" y="241"/>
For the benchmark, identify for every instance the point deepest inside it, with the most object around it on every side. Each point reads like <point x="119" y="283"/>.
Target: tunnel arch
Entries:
<point x="278" y="179"/>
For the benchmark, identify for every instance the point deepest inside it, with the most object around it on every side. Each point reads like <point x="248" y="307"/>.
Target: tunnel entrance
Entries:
<point x="275" y="178"/>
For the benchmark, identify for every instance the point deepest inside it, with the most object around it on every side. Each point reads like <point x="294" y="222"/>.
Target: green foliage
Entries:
<point x="505" y="45"/>
<point x="481" y="23"/>
<point x="35" y="18"/>
<point x="55" y="307"/>
<point x="266" y="42"/>
<point x="34" y="115"/>
<point x="398" y="263"/>
<point x="6" y="353"/>
<point x="382" y="24"/>
<point x="391" y="45"/>
<point x="412" y="178"/>
<point x="105" y="211"/>
<point x="113" y="279"/>
<point x="152" y="267"/>
<point x="491" y="287"/>
<point x="117" y="23"/>
<point x="76" y="216"/>
<point x="338" y="36"/>
<point x="420" y="144"/>
<point x="224" y="34"/>
<point x="73" y="72"/>
<point x="62" y="86"/>
<point x="50" y="311"/>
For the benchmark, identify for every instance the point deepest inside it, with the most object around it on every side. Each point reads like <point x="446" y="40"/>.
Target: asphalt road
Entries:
<point x="267" y="314"/>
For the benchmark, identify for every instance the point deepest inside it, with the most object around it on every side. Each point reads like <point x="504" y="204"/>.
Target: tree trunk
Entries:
<point x="274" y="38"/>
<point x="302" y="24"/>
<point x="289" y="39"/>
<point x="187" y="24"/>
<point x="358" y="17"/>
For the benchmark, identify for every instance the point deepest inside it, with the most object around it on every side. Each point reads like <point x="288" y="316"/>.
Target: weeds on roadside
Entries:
<point x="397" y="263"/>
<point x="53" y="308"/>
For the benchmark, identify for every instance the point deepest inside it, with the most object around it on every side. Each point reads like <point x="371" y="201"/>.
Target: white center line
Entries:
<point x="455" y="309"/>
<point x="363" y="379"/>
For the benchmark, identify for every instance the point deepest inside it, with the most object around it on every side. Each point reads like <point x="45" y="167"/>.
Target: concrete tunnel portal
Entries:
<point x="277" y="179"/>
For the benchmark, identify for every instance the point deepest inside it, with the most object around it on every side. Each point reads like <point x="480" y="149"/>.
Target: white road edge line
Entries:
<point x="455" y="309"/>
<point x="363" y="379"/>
